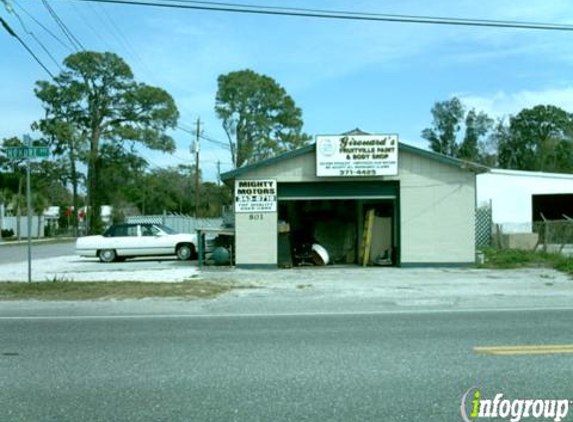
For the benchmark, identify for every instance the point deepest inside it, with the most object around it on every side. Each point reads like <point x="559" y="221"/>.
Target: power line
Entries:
<point x="89" y="24"/>
<point x="216" y="142"/>
<point x="71" y="38"/>
<point x="12" y="33"/>
<point x="106" y="21"/>
<point x="43" y="26"/>
<point x="31" y="34"/>
<point x="361" y="14"/>
<point x="123" y="42"/>
<point x="340" y="15"/>
<point x="111" y="27"/>
<point x="204" y="137"/>
<point x="121" y="38"/>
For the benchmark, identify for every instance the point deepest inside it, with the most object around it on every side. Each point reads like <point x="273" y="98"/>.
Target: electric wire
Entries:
<point x="44" y="27"/>
<point x="28" y="49"/>
<point x="339" y="15"/>
<point x="69" y="35"/>
<point x="107" y="25"/>
<point x="79" y="12"/>
<point x="351" y="13"/>
<point x="111" y="27"/>
<point x="204" y="137"/>
<point x="125" y="44"/>
<point x="12" y="11"/>
<point x="120" y="37"/>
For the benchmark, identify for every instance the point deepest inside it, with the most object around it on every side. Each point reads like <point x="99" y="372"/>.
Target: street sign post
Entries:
<point x="28" y="152"/>
<point x="29" y="203"/>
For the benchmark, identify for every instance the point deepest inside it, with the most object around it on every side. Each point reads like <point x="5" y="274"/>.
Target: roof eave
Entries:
<point x="269" y="161"/>
<point x="444" y="159"/>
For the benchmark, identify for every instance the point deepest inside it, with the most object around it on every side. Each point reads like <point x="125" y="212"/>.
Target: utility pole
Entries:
<point x="218" y="172"/>
<point x="197" y="148"/>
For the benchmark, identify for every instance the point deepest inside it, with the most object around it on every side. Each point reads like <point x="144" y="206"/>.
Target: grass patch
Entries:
<point x="513" y="258"/>
<point x="69" y="290"/>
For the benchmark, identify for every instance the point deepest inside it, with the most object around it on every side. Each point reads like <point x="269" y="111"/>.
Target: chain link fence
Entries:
<point x="555" y="236"/>
<point x="178" y="222"/>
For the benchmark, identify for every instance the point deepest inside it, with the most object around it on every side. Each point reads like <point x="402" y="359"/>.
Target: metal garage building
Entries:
<point x="419" y="205"/>
<point x="518" y="198"/>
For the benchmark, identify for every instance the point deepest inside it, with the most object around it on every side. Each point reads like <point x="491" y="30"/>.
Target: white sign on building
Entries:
<point x="255" y="196"/>
<point x="360" y="155"/>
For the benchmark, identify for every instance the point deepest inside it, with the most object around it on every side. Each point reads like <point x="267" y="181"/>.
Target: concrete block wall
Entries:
<point x="256" y="240"/>
<point x="437" y="209"/>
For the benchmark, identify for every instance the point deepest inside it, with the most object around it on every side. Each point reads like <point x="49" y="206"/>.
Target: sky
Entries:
<point x="381" y="77"/>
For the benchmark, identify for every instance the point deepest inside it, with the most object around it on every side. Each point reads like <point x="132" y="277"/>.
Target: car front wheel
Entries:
<point x="107" y="255"/>
<point x="185" y="252"/>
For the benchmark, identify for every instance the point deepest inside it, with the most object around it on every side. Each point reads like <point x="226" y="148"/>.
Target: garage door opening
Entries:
<point x="338" y="226"/>
<point x="552" y="207"/>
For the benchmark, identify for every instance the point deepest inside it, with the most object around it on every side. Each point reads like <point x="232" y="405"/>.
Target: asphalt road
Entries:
<point x="377" y="367"/>
<point x="18" y="253"/>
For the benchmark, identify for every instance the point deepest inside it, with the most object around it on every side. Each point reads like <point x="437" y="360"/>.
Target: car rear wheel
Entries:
<point x="185" y="252"/>
<point x="107" y="255"/>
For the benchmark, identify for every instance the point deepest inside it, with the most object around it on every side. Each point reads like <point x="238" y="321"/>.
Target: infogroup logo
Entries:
<point x="474" y="407"/>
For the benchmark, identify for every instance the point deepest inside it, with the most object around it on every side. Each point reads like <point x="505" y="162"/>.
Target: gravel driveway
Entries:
<point x="315" y="289"/>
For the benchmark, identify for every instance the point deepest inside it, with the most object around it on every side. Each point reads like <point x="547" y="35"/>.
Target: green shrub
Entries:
<point x="509" y="258"/>
<point x="564" y="264"/>
<point x="514" y="258"/>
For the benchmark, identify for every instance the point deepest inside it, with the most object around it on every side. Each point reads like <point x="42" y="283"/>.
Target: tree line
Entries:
<point x="95" y="113"/>
<point x="535" y="139"/>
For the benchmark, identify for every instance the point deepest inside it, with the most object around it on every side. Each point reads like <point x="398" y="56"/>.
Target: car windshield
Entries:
<point x="166" y="229"/>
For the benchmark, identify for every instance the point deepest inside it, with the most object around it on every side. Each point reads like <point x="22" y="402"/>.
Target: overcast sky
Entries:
<point x="381" y="77"/>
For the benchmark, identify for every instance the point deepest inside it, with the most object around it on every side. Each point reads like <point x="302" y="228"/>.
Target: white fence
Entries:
<point x="180" y="223"/>
<point x="11" y="223"/>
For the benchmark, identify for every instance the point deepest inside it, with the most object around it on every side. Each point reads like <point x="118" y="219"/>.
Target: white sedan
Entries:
<point x="122" y="241"/>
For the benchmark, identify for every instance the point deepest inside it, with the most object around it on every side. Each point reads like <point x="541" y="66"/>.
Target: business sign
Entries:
<point x="255" y="196"/>
<point x="360" y="155"/>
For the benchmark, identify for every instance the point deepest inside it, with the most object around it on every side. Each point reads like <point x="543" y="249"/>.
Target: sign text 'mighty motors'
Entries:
<point x="255" y="195"/>
<point x="361" y="155"/>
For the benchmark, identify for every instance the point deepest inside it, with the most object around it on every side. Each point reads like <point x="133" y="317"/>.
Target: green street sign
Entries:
<point x="41" y="151"/>
<point x="23" y="152"/>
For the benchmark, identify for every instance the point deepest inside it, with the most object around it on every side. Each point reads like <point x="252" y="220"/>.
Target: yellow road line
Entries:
<point x="525" y="349"/>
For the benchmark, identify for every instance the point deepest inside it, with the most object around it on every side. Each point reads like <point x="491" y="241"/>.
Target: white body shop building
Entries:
<point x="419" y="205"/>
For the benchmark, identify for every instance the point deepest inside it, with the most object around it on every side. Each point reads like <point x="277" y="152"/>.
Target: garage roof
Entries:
<point x="444" y="159"/>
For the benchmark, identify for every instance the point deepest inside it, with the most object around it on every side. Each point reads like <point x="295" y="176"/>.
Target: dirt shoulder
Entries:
<point x="74" y="291"/>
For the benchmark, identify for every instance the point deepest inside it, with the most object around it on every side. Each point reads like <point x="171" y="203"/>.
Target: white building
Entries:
<point x="520" y="198"/>
<point x="425" y="206"/>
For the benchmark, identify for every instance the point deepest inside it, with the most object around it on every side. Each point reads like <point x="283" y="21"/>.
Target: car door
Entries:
<point x="126" y="240"/>
<point x="155" y="241"/>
